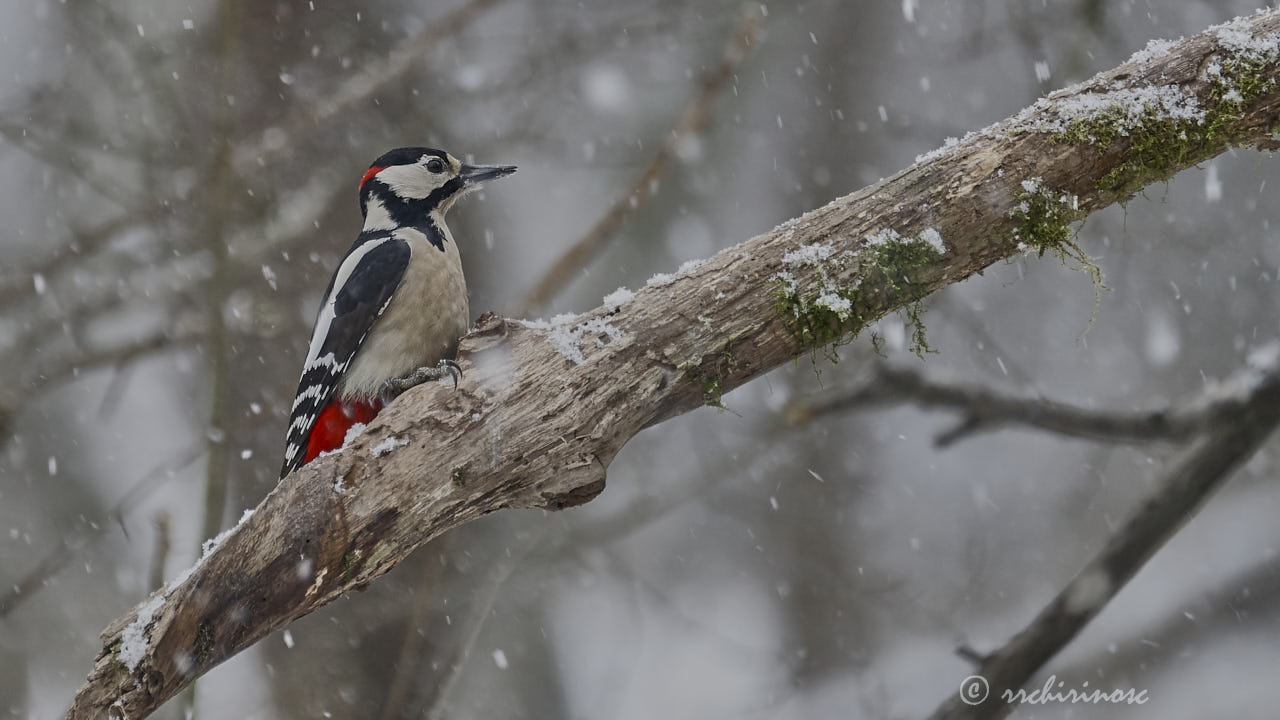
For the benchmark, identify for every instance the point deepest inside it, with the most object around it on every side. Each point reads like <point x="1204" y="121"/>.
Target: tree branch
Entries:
<point x="1193" y="476"/>
<point x="543" y="409"/>
<point x="985" y="409"/>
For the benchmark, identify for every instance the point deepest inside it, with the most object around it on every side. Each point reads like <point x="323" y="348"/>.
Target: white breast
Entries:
<point x="427" y="314"/>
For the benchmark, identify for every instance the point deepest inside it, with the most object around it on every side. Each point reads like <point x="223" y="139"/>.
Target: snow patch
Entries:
<point x="213" y="543"/>
<point x="665" y="279"/>
<point x="884" y="237"/>
<point x="787" y="279"/>
<point x="1154" y="49"/>
<point x="688" y="266"/>
<point x="933" y="238"/>
<point x="566" y="334"/>
<point x="835" y="303"/>
<point x="618" y="298"/>
<point x="947" y="145"/>
<point x="1126" y="108"/>
<point x="929" y="236"/>
<point x="133" y="640"/>
<point x="353" y="432"/>
<point x="1233" y="37"/>
<point x="387" y="446"/>
<point x="817" y="254"/>
<point x="814" y="254"/>
<point x="1262" y="362"/>
<point x="807" y="255"/>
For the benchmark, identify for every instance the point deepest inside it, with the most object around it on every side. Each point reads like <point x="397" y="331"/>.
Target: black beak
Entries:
<point x="472" y="174"/>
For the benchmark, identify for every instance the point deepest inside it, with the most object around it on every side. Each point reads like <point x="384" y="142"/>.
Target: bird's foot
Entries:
<point x="392" y="388"/>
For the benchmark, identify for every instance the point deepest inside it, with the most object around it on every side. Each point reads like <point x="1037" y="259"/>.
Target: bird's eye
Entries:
<point x="435" y="165"/>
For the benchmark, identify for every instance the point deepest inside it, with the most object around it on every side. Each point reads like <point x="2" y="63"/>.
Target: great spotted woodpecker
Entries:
<point x="395" y="307"/>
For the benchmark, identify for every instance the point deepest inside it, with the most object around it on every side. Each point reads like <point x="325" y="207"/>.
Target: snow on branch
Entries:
<point x="530" y="426"/>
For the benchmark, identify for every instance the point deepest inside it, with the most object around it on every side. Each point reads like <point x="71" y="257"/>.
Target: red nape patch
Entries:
<point x="368" y="174"/>
<point x="333" y="423"/>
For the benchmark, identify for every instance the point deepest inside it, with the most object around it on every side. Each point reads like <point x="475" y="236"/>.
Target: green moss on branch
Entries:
<point x="1169" y="129"/>
<point x="828" y="313"/>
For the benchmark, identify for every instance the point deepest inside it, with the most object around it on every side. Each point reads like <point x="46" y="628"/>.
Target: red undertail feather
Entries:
<point x="333" y="423"/>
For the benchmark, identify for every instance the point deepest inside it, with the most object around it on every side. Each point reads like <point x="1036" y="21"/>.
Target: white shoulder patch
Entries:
<point x="326" y="316"/>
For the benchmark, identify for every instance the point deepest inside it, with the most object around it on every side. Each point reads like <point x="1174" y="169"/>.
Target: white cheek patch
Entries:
<point x="376" y="216"/>
<point x="412" y="181"/>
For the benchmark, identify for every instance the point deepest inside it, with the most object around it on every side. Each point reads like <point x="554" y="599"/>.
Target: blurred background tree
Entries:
<point x="180" y="182"/>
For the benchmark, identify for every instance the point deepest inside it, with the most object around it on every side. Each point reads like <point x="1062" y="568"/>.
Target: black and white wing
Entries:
<point x="357" y="294"/>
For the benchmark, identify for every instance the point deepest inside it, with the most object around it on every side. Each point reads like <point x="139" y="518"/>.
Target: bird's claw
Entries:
<point x="394" y="387"/>
<point x="453" y="369"/>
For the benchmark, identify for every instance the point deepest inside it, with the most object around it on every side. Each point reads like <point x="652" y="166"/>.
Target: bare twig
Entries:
<point x="155" y="578"/>
<point x="60" y="369"/>
<point x="57" y="155"/>
<point x="70" y="547"/>
<point x="63" y="368"/>
<point x="969" y="321"/>
<point x="692" y="120"/>
<point x="1192" y="477"/>
<point x="36" y="578"/>
<point x="984" y="409"/>
<point x="18" y="285"/>
<point x="365" y="84"/>
<point x="498" y="575"/>
<point x="409" y="663"/>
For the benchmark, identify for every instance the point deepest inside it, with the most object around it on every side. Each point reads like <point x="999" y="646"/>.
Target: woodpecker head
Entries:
<point x="407" y="185"/>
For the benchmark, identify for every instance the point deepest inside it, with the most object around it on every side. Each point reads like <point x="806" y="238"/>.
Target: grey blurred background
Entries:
<point x="178" y="183"/>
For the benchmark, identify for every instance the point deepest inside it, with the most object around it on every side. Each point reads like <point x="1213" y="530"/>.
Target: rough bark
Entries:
<point x="530" y="427"/>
